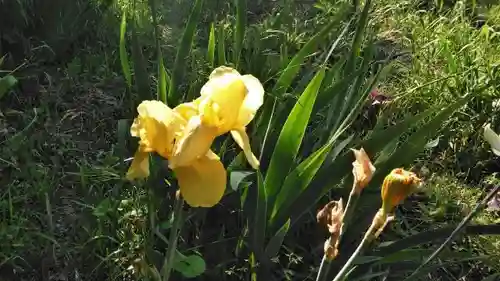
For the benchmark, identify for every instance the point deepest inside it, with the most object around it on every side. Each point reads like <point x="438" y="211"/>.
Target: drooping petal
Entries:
<point x="493" y="139"/>
<point x="202" y="184"/>
<point x="195" y="141"/>
<point x="241" y="138"/>
<point x="253" y="100"/>
<point x="139" y="168"/>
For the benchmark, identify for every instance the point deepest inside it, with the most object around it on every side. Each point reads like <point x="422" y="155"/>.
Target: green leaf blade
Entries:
<point x="6" y="83"/>
<point x="239" y="32"/>
<point x="276" y="241"/>
<point x="211" y="46"/>
<point x="290" y="138"/>
<point x="183" y="52"/>
<point x="124" y="60"/>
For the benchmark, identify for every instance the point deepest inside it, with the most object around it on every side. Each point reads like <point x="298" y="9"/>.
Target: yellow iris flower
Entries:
<point x="202" y="182"/>
<point x="184" y="135"/>
<point x="228" y="103"/>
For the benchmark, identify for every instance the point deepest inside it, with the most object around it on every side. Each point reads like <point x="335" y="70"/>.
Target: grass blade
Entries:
<point x="390" y="248"/>
<point x="260" y="219"/>
<point x="290" y="72"/>
<point x="174" y="95"/>
<point x="276" y="241"/>
<point x="140" y="71"/>
<point x="221" y="47"/>
<point x="163" y="80"/>
<point x="290" y="138"/>
<point x="161" y="93"/>
<point x="123" y="51"/>
<point x="479" y="206"/>
<point x="292" y="69"/>
<point x="358" y="37"/>
<point x="211" y="46"/>
<point x="6" y="83"/>
<point x="239" y="32"/>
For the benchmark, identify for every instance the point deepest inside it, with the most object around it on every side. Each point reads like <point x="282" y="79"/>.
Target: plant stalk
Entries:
<point x="172" y="240"/>
<point x="362" y="244"/>
<point x="323" y="269"/>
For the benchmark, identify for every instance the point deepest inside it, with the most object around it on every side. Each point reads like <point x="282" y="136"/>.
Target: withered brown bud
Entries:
<point x="331" y="216"/>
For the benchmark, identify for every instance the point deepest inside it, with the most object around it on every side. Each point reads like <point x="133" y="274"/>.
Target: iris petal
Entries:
<point x="140" y="166"/>
<point x="194" y="143"/>
<point x="202" y="184"/>
<point x="241" y="138"/>
<point x="253" y="100"/>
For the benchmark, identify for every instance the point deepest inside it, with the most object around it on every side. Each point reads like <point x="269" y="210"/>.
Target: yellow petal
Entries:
<point x="223" y="96"/>
<point x="202" y="184"/>
<point x="140" y="166"/>
<point x="195" y="142"/>
<point x="222" y="71"/>
<point x="241" y="138"/>
<point x="253" y="100"/>
<point x="493" y="139"/>
<point x="398" y="185"/>
<point x="156" y="126"/>
<point x="187" y="110"/>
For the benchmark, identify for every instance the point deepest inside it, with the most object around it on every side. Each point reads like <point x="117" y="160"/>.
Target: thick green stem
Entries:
<point x="172" y="240"/>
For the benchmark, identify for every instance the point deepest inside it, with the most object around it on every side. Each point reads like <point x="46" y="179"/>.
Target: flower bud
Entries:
<point x="362" y="169"/>
<point x="398" y="185"/>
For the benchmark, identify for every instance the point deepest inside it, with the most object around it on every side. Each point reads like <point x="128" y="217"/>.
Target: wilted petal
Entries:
<point x="363" y="169"/>
<point x="139" y="168"/>
<point x="202" y="184"/>
<point x="398" y="185"/>
<point x="241" y="138"/>
<point x="253" y="100"/>
<point x="493" y="139"/>
<point x="195" y="142"/>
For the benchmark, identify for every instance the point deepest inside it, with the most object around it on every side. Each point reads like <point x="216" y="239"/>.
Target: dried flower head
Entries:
<point x="362" y="169"/>
<point x="398" y="185"/>
<point x="331" y="216"/>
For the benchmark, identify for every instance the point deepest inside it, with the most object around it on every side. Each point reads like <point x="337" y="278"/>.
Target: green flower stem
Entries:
<point x="349" y="208"/>
<point x="366" y="239"/>
<point x="172" y="240"/>
<point x="479" y="206"/>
